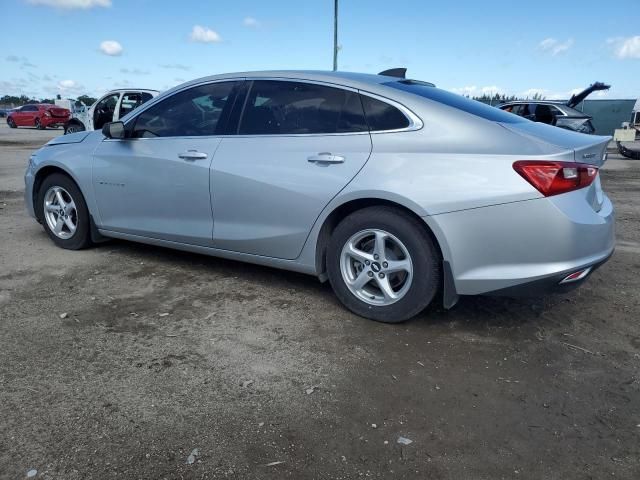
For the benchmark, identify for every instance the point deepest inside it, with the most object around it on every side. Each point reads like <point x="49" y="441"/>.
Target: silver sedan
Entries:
<point x="391" y="189"/>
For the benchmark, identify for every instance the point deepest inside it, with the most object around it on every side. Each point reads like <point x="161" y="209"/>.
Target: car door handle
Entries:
<point x="192" y="155"/>
<point x="326" y="157"/>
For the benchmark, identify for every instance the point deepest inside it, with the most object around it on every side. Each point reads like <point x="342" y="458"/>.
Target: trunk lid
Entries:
<point x="586" y="148"/>
<point x="579" y="97"/>
<point x="59" y="112"/>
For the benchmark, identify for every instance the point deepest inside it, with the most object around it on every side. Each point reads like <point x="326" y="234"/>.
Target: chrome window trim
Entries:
<point x="415" y="123"/>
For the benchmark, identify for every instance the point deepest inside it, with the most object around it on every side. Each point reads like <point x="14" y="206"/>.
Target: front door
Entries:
<point x="156" y="182"/>
<point x="103" y="111"/>
<point x="298" y="145"/>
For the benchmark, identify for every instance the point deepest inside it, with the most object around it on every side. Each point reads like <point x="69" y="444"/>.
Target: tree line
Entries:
<point x="18" y="101"/>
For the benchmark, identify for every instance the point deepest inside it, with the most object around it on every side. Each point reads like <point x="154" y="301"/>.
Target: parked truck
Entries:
<point x="627" y="137"/>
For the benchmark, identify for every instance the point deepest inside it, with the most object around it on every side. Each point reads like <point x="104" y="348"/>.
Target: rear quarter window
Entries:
<point x="381" y="116"/>
<point x="459" y="102"/>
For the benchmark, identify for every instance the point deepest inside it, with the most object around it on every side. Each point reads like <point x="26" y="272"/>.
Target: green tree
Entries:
<point x="86" y="99"/>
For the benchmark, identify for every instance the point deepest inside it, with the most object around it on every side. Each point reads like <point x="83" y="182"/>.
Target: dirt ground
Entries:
<point x="161" y="353"/>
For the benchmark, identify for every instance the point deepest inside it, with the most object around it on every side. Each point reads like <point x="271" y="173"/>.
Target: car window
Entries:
<point x="515" y="108"/>
<point x="29" y="108"/>
<point x="105" y="108"/>
<point x="190" y="113"/>
<point x="556" y="111"/>
<point x="382" y="116"/>
<point x="528" y="109"/>
<point x="281" y="107"/>
<point x="467" y="105"/>
<point x="132" y="100"/>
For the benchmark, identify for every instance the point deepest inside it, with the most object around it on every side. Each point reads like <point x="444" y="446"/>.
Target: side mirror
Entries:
<point x="114" y="130"/>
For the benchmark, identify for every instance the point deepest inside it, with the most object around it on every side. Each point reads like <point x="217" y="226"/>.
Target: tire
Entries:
<point x="11" y="123"/>
<point x="73" y="128"/>
<point x="38" y="124"/>
<point x="628" y="152"/>
<point x="80" y="237"/>
<point x="404" y="236"/>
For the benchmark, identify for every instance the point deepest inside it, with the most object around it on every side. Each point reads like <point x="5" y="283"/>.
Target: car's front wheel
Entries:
<point x="64" y="212"/>
<point x="11" y="123"/>
<point x="383" y="265"/>
<point x="73" y="128"/>
<point x="38" y="124"/>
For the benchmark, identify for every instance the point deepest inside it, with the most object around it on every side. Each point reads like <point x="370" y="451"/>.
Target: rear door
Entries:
<point x="297" y="145"/>
<point x="27" y="116"/>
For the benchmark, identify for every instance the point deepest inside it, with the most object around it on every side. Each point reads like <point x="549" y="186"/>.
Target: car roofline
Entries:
<point x="360" y="81"/>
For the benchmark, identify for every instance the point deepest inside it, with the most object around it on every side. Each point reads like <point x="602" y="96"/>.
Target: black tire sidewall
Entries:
<point x="82" y="236"/>
<point x="424" y="257"/>
<point x="76" y="126"/>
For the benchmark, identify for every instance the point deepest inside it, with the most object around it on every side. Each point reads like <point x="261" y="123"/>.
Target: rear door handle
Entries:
<point x="192" y="155"/>
<point x="326" y="157"/>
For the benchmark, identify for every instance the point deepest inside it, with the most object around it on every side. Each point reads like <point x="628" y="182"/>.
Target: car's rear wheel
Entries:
<point x="11" y="123"/>
<point x="383" y="265"/>
<point x="73" y="128"/>
<point x="64" y="212"/>
<point x="38" y="124"/>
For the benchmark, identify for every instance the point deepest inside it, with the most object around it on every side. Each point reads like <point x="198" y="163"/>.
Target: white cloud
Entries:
<point x="175" y="66"/>
<point x="204" y="35"/>
<point x="626" y="47"/>
<point x="111" y="48"/>
<point x="134" y="71"/>
<point x="67" y="87"/>
<point x="555" y="47"/>
<point x="71" y="4"/>
<point x="474" y="91"/>
<point x="251" y="22"/>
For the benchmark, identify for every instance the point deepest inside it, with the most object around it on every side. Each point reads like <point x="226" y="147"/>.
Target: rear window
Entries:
<point x="381" y="116"/>
<point x="473" y="107"/>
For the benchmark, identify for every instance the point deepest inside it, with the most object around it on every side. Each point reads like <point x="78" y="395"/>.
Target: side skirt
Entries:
<point x="290" y="265"/>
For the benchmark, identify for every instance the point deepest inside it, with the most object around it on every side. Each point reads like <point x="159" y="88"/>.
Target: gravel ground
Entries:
<point x="123" y="360"/>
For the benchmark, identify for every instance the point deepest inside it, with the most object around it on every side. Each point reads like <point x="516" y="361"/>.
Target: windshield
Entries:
<point x="473" y="107"/>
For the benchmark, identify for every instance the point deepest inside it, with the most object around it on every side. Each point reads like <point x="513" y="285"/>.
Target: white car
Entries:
<point x="110" y="107"/>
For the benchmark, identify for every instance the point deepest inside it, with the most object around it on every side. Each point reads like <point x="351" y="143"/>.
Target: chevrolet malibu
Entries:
<point x="393" y="190"/>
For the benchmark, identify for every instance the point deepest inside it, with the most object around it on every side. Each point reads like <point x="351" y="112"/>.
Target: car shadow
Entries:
<point x="471" y="312"/>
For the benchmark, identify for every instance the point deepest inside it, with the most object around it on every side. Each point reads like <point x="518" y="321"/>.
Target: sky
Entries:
<point x="554" y="48"/>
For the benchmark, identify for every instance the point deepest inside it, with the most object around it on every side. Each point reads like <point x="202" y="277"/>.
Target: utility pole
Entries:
<point x="335" y="35"/>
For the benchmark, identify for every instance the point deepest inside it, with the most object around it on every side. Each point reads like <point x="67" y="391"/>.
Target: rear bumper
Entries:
<point x="521" y="246"/>
<point x="549" y="285"/>
<point x="51" y="121"/>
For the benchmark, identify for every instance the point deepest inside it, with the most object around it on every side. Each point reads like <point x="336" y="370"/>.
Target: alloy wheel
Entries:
<point x="376" y="267"/>
<point x="60" y="212"/>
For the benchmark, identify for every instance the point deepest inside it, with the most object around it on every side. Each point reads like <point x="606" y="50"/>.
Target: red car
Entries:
<point x="40" y="116"/>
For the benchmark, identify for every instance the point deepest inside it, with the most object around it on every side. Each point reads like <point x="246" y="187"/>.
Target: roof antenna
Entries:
<point x="395" y="72"/>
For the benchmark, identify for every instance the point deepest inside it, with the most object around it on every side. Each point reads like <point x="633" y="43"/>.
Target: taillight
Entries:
<point x="553" y="178"/>
<point x="47" y="113"/>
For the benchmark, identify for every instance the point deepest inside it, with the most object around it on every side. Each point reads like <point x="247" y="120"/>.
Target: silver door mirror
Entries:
<point x="114" y="130"/>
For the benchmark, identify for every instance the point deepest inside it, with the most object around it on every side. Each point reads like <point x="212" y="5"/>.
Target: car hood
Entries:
<point x="587" y="148"/>
<point x="70" y="138"/>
